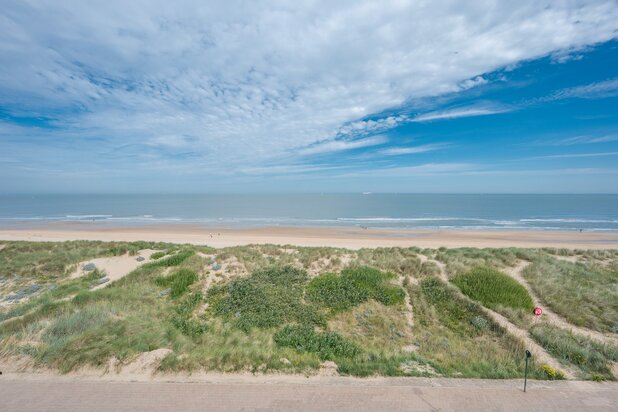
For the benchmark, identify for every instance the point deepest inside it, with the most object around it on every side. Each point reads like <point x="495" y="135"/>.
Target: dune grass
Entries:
<point x="462" y="260"/>
<point x="173" y="260"/>
<point x="456" y="338"/>
<point x="274" y="318"/>
<point x="593" y="359"/>
<point x="585" y="294"/>
<point x="21" y="262"/>
<point x="178" y="282"/>
<point x="374" y="326"/>
<point x="158" y="255"/>
<point x="493" y="289"/>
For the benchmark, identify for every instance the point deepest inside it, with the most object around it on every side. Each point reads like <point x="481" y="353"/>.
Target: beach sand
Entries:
<point x="351" y="238"/>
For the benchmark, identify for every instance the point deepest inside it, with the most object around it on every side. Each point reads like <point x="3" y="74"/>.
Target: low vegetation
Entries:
<point x="273" y="308"/>
<point x="268" y="298"/>
<point x="586" y="294"/>
<point x="459" y="261"/>
<point x="327" y="345"/>
<point x="592" y="359"/>
<point x="454" y="335"/>
<point x="174" y="260"/>
<point x="352" y="287"/>
<point x="178" y="282"/>
<point x="493" y="289"/>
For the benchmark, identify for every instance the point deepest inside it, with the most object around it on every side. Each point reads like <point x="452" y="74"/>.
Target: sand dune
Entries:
<point x="114" y="267"/>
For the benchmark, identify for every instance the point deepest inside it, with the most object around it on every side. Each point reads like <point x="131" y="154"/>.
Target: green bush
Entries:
<point x="268" y="298"/>
<point x="178" y="281"/>
<point x="327" y="345"/>
<point x="183" y="321"/>
<point x="352" y="287"/>
<point x="494" y="289"/>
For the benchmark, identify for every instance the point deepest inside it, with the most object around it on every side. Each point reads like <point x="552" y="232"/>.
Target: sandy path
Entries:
<point x="539" y="353"/>
<point x="115" y="267"/>
<point x="321" y="394"/>
<point x="550" y="316"/>
<point x="442" y="274"/>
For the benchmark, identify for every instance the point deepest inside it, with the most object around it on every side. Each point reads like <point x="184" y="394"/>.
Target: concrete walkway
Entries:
<point x="338" y="394"/>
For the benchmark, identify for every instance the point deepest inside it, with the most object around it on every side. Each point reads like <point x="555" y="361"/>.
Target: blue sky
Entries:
<point x="387" y="96"/>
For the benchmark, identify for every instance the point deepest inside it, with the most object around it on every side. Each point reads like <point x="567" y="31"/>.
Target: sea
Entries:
<point x="590" y="212"/>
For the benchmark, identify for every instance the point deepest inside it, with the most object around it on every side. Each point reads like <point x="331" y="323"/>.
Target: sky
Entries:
<point x="308" y="96"/>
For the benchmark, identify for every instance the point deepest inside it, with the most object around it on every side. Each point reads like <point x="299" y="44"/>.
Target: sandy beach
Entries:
<point x="351" y="238"/>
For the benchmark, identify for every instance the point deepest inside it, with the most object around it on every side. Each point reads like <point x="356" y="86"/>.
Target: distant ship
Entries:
<point x="366" y="193"/>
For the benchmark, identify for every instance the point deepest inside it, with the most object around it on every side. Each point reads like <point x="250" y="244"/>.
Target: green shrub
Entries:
<point x="268" y="298"/>
<point x="327" y="345"/>
<point x="352" y="287"/>
<point x="494" y="289"/>
<point x="183" y="318"/>
<point x="178" y="281"/>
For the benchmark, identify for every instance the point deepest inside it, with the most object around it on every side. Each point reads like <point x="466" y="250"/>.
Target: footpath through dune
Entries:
<point x="549" y="315"/>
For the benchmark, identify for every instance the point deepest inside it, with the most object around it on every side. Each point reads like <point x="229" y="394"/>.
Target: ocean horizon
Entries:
<point x="596" y="212"/>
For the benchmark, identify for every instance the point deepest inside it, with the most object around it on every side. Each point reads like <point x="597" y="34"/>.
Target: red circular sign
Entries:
<point x="538" y="311"/>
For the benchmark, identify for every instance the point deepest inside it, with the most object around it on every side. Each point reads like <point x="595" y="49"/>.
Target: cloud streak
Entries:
<point x="459" y="113"/>
<point x="398" y="151"/>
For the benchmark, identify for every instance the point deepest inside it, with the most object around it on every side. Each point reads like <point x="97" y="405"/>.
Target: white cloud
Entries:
<point x="427" y="169"/>
<point x="396" y="151"/>
<point x="475" y="82"/>
<point x="575" y="155"/>
<point x="247" y="83"/>
<point x="586" y="140"/>
<point x="340" y="145"/>
<point x="607" y="88"/>
<point x="460" y="112"/>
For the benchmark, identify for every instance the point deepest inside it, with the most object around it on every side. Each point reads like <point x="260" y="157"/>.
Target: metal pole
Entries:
<point x="526" y="375"/>
<point x="528" y="355"/>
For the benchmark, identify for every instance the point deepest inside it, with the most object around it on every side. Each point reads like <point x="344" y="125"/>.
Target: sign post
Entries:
<point x="528" y="355"/>
<point x="537" y="312"/>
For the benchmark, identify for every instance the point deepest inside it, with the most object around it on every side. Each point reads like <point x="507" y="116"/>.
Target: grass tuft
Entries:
<point x="178" y="281"/>
<point x="493" y="289"/>
<point x="173" y="260"/>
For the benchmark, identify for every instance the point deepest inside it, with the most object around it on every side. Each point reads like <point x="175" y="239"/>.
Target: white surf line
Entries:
<point x="548" y="314"/>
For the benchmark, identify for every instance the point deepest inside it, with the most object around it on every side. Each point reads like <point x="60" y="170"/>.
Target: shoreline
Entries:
<point x="350" y="238"/>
